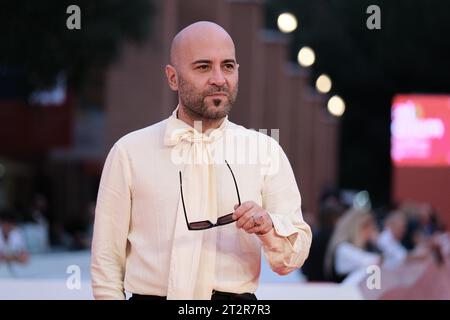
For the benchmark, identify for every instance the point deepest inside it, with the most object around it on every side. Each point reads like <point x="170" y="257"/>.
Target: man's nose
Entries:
<point x="217" y="77"/>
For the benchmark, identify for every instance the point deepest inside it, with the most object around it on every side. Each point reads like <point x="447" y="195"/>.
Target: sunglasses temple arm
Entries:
<point x="235" y="184"/>
<point x="182" y="201"/>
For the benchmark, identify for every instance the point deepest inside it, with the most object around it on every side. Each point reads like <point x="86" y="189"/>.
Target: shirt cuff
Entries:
<point x="282" y="228"/>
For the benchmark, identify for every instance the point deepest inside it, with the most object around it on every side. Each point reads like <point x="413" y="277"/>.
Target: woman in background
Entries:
<point x="352" y="245"/>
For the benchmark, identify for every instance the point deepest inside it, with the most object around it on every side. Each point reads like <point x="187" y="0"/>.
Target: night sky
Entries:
<point x="409" y="54"/>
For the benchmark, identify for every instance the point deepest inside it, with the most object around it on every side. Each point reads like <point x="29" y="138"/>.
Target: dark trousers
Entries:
<point x="217" y="295"/>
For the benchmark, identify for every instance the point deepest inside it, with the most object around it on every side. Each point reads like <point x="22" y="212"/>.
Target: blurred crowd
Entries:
<point x="348" y="238"/>
<point x="30" y="231"/>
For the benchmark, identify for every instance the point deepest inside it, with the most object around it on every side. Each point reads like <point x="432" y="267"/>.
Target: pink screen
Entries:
<point x="420" y="130"/>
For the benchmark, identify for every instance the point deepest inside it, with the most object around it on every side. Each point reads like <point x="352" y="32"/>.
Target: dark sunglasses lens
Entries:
<point x="225" y="219"/>
<point x="200" y="225"/>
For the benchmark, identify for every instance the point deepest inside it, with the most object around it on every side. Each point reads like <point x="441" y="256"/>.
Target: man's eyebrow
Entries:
<point x="202" y="61"/>
<point x="209" y="61"/>
<point x="229" y="61"/>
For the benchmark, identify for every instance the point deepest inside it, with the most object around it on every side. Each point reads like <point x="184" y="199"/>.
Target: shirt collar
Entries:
<point x="176" y="128"/>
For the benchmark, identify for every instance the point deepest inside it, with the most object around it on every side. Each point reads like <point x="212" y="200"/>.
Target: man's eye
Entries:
<point x="229" y="66"/>
<point x="203" y="67"/>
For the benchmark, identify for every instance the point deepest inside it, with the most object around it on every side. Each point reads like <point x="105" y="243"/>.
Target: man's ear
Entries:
<point x="172" y="79"/>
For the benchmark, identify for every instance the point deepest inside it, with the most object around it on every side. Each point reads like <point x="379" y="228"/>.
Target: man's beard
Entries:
<point x="195" y="102"/>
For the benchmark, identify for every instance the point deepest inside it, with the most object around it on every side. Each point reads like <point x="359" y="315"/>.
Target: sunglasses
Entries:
<point x="206" y="224"/>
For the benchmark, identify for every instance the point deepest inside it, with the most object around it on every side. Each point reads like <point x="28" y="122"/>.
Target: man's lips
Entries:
<point x="217" y="94"/>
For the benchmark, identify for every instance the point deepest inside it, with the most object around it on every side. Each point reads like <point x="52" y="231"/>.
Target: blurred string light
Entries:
<point x="323" y="83"/>
<point x="306" y="57"/>
<point x="287" y="22"/>
<point x="336" y="106"/>
<point x="362" y="200"/>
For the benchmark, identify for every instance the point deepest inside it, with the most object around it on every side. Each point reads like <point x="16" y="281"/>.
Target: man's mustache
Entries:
<point x="217" y="90"/>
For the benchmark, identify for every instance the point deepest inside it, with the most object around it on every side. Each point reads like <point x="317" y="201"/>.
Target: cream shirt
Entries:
<point x="137" y="208"/>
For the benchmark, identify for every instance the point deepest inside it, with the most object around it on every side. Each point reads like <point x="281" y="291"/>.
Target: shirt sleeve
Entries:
<point x="112" y="220"/>
<point x="350" y="258"/>
<point x="394" y="253"/>
<point x="287" y="245"/>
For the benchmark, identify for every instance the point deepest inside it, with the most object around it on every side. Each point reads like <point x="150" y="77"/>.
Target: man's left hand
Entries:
<point x="252" y="218"/>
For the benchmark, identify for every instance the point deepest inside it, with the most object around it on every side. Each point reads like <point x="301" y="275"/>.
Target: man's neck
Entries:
<point x="190" y="118"/>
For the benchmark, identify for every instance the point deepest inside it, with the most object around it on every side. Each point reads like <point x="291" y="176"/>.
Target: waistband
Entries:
<point x="216" y="295"/>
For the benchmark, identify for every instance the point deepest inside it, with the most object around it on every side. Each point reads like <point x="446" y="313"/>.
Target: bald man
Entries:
<point x="185" y="205"/>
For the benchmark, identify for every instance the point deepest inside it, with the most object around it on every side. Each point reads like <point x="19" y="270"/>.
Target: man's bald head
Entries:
<point x="198" y="32"/>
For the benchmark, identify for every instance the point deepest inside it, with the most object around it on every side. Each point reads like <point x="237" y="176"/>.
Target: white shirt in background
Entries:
<point x="394" y="253"/>
<point x="14" y="244"/>
<point x="349" y="258"/>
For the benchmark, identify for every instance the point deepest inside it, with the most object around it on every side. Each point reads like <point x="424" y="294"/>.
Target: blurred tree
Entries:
<point x="368" y="67"/>
<point x="36" y="40"/>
